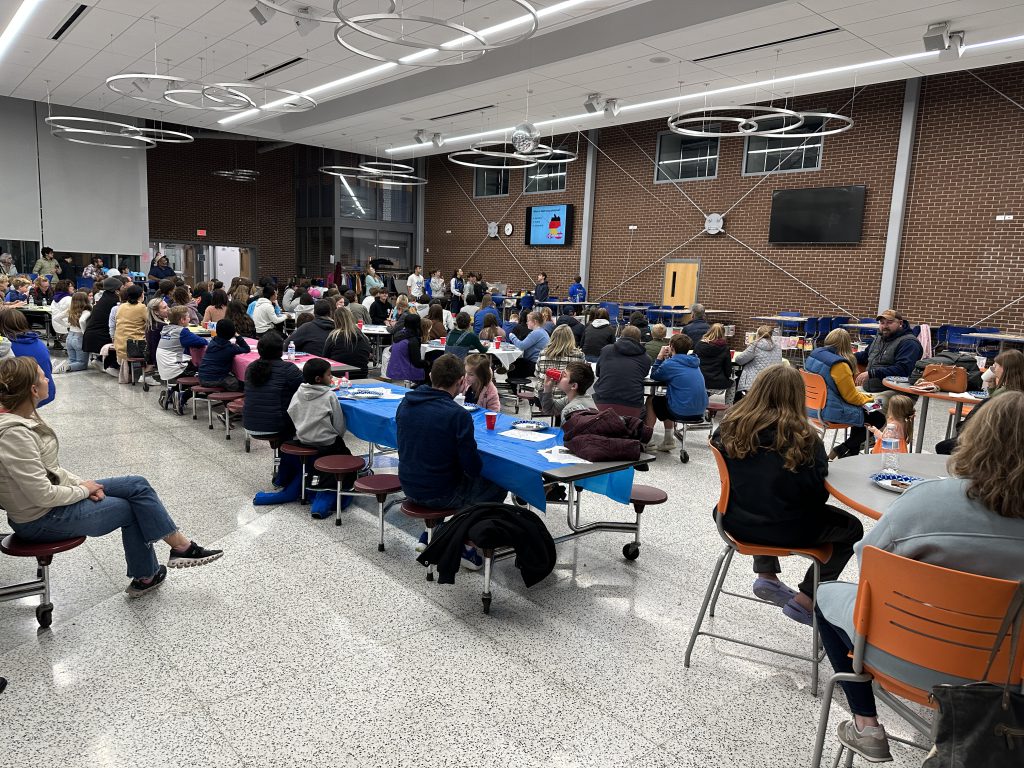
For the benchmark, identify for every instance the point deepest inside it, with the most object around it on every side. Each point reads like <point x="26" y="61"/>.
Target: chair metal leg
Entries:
<point x="704" y="605"/>
<point x="227" y="423"/>
<point x="209" y="412"/>
<point x="485" y="598"/>
<point x="380" y="514"/>
<point x="195" y="416"/>
<point x="430" y="538"/>
<point x="814" y="629"/>
<point x="721" y="581"/>
<point x="302" y="487"/>
<point x="824" y="711"/>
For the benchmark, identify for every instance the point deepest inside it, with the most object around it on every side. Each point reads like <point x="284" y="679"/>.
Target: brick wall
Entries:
<point x="958" y="264"/>
<point x="184" y="197"/>
<point x="451" y="206"/>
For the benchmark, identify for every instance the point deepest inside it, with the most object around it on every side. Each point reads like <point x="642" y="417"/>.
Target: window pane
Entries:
<point x="687" y="157"/>
<point x="358" y="198"/>
<point x="397" y="248"/>
<point x="546" y="177"/>
<point x="397" y="203"/>
<point x="488" y="183"/>
<point x="765" y="154"/>
<point x="356" y="247"/>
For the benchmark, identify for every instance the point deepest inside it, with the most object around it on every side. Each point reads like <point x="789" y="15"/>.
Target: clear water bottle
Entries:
<point x="31" y="300"/>
<point x="345" y="383"/>
<point x="890" y="448"/>
<point x="291" y="351"/>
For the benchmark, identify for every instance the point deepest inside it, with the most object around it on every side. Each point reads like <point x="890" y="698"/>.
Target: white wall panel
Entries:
<point x="19" y="180"/>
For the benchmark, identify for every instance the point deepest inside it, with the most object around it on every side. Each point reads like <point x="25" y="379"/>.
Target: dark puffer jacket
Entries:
<point x="606" y="436"/>
<point x="715" y="363"/>
<point x="266" y="407"/>
<point x="621" y="370"/>
<point x="310" y="337"/>
<point x="97" y="330"/>
<point x="575" y="326"/>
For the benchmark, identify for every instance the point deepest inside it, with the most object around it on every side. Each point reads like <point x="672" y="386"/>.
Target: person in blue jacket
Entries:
<point x="26" y="343"/>
<point x="531" y="347"/>
<point x="441" y="466"/>
<point x="486" y="308"/>
<point x="219" y="358"/>
<point x="687" y="398"/>
<point x="576" y="291"/>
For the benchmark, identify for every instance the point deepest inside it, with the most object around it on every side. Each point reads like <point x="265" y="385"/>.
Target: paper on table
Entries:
<point x="556" y="454"/>
<point x="533" y="437"/>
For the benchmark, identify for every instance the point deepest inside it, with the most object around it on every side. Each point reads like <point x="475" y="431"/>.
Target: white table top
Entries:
<point x="862" y="326"/>
<point x="376" y="330"/>
<point x="996" y="337"/>
<point x="781" y="319"/>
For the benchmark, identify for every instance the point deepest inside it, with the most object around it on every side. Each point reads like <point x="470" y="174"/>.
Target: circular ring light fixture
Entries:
<point x="846" y="123"/>
<point x="160" y="135"/>
<point x="293" y="101"/>
<point x="466" y="158"/>
<point x="91" y="131"/>
<point x="551" y="156"/>
<point x="342" y="170"/>
<point x="386" y="166"/>
<point x="393" y="179"/>
<point x="117" y="84"/>
<point x="745" y="126"/>
<point x="220" y="104"/>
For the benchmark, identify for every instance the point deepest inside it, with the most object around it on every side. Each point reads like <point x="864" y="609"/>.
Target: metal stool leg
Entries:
<point x="488" y="565"/>
<point x="380" y="513"/>
<point x="302" y="491"/>
<point x="704" y="605"/>
<point x="721" y="581"/>
<point x="430" y="538"/>
<point x="209" y="412"/>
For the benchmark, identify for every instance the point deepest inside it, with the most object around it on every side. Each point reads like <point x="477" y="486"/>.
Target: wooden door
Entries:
<point x="680" y="283"/>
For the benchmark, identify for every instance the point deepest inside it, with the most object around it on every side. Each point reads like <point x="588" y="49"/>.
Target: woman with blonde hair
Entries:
<point x="972" y="521"/>
<point x="715" y="360"/>
<point x="844" y="403"/>
<point x="559" y="352"/>
<point x="761" y="353"/>
<point x="347" y="344"/>
<point x="777" y="468"/>
<point x="45" y="502"/>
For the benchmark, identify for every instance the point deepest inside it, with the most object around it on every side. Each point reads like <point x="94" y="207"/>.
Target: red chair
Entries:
<point x="43" y="552"/>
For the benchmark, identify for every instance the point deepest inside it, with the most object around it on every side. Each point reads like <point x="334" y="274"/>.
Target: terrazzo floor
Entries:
<point x="306" y="646"/>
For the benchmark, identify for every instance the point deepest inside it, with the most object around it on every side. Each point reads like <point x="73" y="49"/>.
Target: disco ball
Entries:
<point x="525" y="137"/>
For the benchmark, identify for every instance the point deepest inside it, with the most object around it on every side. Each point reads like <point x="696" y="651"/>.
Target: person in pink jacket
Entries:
<point x="478" y="386"/>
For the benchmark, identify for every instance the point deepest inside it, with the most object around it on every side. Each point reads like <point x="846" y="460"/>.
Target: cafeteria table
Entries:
<point x="904" y="386"/>
<point x="507" y="355"/>
<point x="376" y="333"/>
<point x="243" y="361"/>
<point x="849" y="479"/>
<point x="780" y="319"/>
<point x="43" y="314"/>
<point x="1003" y="338"/>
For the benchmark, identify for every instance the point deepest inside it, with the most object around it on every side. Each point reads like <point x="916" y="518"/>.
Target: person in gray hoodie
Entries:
<point x="318" y="418"/>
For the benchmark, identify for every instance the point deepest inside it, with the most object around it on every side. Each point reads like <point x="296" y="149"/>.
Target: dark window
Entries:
<point x="686" y="157"/>
<point x="546" y="177"/>
<point x="488" y="183"/>
<point x="766" y="154"/>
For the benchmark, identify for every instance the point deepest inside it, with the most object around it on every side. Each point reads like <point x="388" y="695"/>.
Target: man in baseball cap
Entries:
<point x="893" y="352"/>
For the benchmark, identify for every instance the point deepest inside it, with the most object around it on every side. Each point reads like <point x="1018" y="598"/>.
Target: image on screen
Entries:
<point x="549" y="225"/>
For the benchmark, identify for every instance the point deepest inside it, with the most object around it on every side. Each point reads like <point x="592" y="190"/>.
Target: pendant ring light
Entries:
<point x="114" y="83"/>
<point x="87" y="130"/>
<point x="745" y="126"/>
<point x="393" y="179"/>
<point x="341" y="171"/>
<point x="296" y="102"/>
<point x="846" y="123"/>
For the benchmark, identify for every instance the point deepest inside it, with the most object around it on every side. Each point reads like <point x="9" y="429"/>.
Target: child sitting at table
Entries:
<point x="215" y="367"/>
<point x="901" y="418"/>
<point x="320" y="423"/>
<point x="569" y="394"/>
<point x="173" y="358"/>
<point x="478" y="386"/>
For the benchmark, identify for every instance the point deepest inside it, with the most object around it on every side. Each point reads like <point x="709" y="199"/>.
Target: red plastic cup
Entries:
<point x="497" y="343"/>
<point x="360" y="324"/>
<point x="492" y="419"/>
<point x="443" y="340"/>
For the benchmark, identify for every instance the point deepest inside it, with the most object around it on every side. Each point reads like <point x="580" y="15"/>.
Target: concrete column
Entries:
<point x="589" y="185"/>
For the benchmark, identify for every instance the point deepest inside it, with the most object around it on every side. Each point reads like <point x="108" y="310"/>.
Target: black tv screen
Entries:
<point x="824" y="215"/>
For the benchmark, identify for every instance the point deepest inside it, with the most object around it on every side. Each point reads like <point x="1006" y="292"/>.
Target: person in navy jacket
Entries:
<point x="541" y="290"/>
<point x="687" y="398"/>
<point x="219" y="358"/>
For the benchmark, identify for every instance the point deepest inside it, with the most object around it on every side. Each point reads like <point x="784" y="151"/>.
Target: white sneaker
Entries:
<point x="61" y="367"/>
<point x="147" y="379"/>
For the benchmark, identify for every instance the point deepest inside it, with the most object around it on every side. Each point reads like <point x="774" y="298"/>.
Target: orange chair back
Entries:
<point x="815" y="393"/>
<point x="934" y="617"/>
<point x="723" y="478"/>
<point x="877" y="447"/>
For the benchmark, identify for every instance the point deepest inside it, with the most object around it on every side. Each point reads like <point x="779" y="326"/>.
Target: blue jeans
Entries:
<point x="472" y="490"/>
<point x="77" y="358"/>
<point x="130" y="504"/>
<point x="837" y="645"/>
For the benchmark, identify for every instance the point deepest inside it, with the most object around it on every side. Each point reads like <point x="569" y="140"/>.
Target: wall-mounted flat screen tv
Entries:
<point x="823" y="215"/>
<point x="549" y="225"/>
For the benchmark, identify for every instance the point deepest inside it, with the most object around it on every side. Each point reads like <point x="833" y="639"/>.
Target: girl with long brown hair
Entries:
<point x="1008" y="368"/>
<point x="777" y="468"/>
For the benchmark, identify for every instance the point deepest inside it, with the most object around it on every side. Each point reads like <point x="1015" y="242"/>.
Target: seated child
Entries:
<point x="570" y="394"/>
<point x="215" y="368"/>
<point x="478" y="386"/>
<point x="173" y="358"/>
<point x="318" y="418"/>
<point x="901" y="417"/>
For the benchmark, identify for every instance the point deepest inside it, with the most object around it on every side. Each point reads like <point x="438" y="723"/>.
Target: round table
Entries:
<point x="849" y="479"/>
<point x="960" y="400"/>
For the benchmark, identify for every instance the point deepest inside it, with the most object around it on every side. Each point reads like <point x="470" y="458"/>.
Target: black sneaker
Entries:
<point x="194" y="555"/>
<point x="138" y="588"/>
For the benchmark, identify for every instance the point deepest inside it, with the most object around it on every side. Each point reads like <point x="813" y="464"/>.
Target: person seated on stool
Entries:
<point x="1007" y="376"/>
<point x="777" y="469"/>
<point x="318" y="418"/>
<point x="569" y="394"/>
<point x="441" y="465"/>
<point x="531" y="346"/>
<point x="45" y="502"/>
<point x="971" y="522"/>
<point x="894" y="351"/>
<point x="687" y="399"/>
<point x="215" y="367"/>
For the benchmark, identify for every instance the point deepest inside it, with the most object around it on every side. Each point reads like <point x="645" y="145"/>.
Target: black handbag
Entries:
<point x="137" y="348"/>
<point x="981" y="725"/>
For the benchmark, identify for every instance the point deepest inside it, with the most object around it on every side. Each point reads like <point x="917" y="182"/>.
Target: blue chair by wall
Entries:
<point x="84" y="283"/>
<point x="788" y="329"/>
<point x="613" y="311"/>
<point x="957" y="341"/>
<point x="811" y="328"/>
<point x="866" y="333"/>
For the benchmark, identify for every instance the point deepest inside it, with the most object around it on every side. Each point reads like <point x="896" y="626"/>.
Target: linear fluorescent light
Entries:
<point x="17" y="23"/>
<point x="1003" y="41"/>
<point x="352" y="195"/>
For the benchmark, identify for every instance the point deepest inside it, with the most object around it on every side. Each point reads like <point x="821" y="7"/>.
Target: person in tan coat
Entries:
<point x="130" y="322"/>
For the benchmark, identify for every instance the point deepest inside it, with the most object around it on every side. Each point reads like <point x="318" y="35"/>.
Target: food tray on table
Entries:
<point x="894" y="482"/>
<point x="529" y="425"/>
<point x="363" y="393"/>
<point x="471" y="407"/>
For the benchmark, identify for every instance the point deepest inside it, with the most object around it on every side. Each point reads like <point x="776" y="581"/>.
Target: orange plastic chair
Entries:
<point x="933" y="617"/>
<point x="817" y="556"/>
<point x="816" y="393"/>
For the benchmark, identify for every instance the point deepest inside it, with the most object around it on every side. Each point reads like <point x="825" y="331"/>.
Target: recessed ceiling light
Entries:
<point x="660" y="59"/>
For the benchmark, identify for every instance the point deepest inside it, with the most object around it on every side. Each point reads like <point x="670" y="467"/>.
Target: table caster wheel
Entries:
<point x="631" y="551"/>
<point x="145" y="387"/>
<point x="430" y="575"/>
<point x="44" y="614"/>
<point x="380" y="547"/>
<point x="486" y="600"/>
<point x="684" y="457"/>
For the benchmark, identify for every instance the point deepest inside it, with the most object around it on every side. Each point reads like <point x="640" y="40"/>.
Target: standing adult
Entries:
<point x="414" y="284"/>
<point x="576" y="291"/>
<point x="894" y="351"/>
<point x="159" y="270"/>
<point x="698" y="324"/>
<point x="436" y="288"/>
<point x="541" y="291"/>
<point x="457" y="286"/>
<point x="622" y="368"/>
<point x="372" y="281"/>
<point x="47" y="263"/>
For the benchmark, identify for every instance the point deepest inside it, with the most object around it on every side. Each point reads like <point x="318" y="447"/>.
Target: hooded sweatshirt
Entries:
<point x="621" y="370"/>
<point x="437" y="445"/>
<point x="316" y="414"/>
<point x="596" y="337"/>
<point x="687" y="396"/>
<point x="29" y="344"/>
<point x="31" y="480"/>
<point x="5" y="349"/>
<point x="264" y="315"/>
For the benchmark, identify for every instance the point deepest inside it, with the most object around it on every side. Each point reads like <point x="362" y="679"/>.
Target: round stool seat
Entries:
<point x="206" y="390"/>
<point x="647" y="494"/>
<point x="236" y="406"/>
<point x="290" y="448"/>
<point x="187" y="381"/>
<point x="16" y="547"/>
<point x="220" y="396"/>
<point x="717" y="407"/>
<point x="412" y="509"/>
<point x="379" y="485"/>
<point x="339" y="465"/>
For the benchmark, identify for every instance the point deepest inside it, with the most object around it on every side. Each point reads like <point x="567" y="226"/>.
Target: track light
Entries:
<point x="262" y="13"/>
<point x="611" y="108"/>
<point x="437" y="140"/>
<point x="305" y="26"/>
<point x="956" y="47"/>
<point x="421" y="136"/>
<point x="594" y="103"/>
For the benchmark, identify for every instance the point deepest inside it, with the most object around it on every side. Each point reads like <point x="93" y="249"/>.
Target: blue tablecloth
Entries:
<point x="511" y="463"/>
